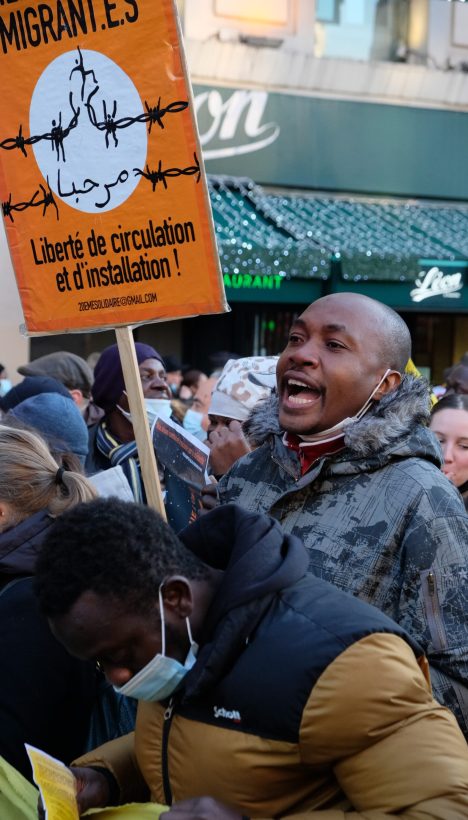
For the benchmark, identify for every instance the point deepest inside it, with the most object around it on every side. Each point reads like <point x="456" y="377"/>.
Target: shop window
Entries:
<point x="361" y="29"/>
<point x="327" y="11"/>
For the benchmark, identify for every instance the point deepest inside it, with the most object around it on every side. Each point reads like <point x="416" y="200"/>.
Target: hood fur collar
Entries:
<point x="384" y="424"/>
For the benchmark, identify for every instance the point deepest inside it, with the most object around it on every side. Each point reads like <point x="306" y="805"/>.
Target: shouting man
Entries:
<point x="348" y="464"/>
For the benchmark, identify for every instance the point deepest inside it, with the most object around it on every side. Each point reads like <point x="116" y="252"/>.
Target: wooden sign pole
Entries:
<point x="146" y="454"/>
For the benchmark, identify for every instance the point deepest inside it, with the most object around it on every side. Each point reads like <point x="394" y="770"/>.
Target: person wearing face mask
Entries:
<point x="449" y="423"/>
<point x="5" y="383"/>
<point x="196" y="418"/>
<point x="348" y="465"/>
<point x="262" y="691"/>
<point x="111" y="440"/>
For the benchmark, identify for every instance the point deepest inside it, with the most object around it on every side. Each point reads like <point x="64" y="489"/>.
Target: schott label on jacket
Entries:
<point x="221" y="712"/>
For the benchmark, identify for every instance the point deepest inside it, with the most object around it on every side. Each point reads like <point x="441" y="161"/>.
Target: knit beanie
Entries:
<point x="108" y="377"/>
<point x="59" y="421"/>
<point x="32" y="386"/>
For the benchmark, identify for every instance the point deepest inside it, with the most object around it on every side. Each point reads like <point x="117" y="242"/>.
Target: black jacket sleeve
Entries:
<point x="46" y="696"/>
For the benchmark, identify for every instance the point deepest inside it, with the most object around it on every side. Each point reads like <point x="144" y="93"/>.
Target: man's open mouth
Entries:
<point x="300" y="393"/>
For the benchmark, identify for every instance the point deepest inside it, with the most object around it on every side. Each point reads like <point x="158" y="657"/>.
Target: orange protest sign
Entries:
<point x="102" y="184"/>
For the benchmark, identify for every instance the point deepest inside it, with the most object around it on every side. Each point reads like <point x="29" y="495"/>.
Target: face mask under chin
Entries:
<point x="337" y="430"/>
<point x="155" y="408"/>
<point x="163" y="674"/>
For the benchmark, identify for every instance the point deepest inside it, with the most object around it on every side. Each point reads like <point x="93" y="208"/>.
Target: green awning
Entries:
<point x="292" y="247"/>
<point x="250" y="241"/>
<point x="311" y="237"/>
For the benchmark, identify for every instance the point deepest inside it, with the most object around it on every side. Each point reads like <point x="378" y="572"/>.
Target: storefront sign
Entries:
<point x="305" y="141"/>
<point x="272" y="281"/>
<point x="102" y="185"/>
<point x="236" y="120"/>
<point x="271" y="287"/>
<point x="435" y="282"/>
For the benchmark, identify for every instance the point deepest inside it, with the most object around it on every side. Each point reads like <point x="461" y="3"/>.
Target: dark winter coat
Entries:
<point x="46" y="696"/>
<point x="378" y="519"/>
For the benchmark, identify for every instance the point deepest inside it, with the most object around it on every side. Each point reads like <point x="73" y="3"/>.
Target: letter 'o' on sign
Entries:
<point x="94" y="117"/>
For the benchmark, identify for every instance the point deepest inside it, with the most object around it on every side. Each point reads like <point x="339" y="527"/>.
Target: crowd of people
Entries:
<point x="300" y="650"/>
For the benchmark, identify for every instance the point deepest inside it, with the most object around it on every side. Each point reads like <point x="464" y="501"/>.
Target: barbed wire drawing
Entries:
<point x="47" y="201"/>
<point x="110" y="125"/>
<point x="85" y="102"/>
<point x="56" y="136"/>
<point x="161" y="175"/>
<point x="18" y="142"/>
<point x="155" y="114"/>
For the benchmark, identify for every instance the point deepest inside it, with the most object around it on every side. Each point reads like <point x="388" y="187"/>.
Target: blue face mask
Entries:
<point x="193" y="424"/>
<point x="5" y="386"/>
<point x="162" y="675"/>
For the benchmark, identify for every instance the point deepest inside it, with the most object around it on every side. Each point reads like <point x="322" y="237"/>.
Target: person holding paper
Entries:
<point x="112" y="440"/>
<point x="263" y="690"/>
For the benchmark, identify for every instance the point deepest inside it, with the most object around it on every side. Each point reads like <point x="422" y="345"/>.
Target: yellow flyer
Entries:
<point x="18" y="799"/>
<point x="56" y="785"/>
<point x="102" y="185"/>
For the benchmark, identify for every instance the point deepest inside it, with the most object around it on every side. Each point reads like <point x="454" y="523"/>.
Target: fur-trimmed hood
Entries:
<point x="402" y="413"/>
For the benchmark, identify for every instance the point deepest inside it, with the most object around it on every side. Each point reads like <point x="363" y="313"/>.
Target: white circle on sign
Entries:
<point x="85" y="110"/>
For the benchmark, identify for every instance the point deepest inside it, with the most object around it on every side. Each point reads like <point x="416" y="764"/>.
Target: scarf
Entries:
<point x="124" y="454"/>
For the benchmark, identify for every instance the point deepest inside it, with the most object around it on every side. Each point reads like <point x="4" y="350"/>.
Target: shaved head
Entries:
<point x="344" y="348"/>
<point x="391" y="337"/>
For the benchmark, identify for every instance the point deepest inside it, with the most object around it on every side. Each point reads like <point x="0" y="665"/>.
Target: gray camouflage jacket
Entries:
<point x="379" y="520"/>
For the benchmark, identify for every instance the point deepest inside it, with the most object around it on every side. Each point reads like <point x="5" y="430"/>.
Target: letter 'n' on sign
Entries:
<point x="102" y="185"/>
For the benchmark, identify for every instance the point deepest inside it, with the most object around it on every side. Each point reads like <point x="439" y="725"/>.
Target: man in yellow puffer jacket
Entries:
<point x="264" y="691"/>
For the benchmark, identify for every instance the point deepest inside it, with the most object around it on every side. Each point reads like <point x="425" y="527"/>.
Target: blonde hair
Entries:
<point x="31" y="480"/>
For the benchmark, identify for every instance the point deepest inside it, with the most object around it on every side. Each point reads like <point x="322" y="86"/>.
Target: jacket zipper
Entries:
<point x="433" y="611"/>
<point x="165" y="744"/>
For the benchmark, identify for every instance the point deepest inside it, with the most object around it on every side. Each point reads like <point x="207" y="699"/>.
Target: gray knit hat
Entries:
<point x="58" y="419"/>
